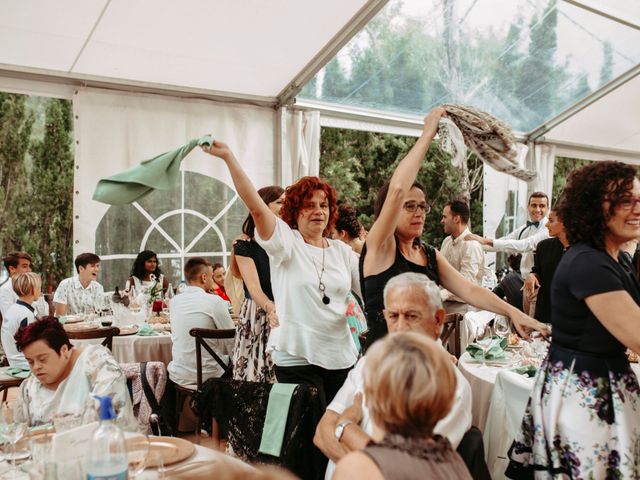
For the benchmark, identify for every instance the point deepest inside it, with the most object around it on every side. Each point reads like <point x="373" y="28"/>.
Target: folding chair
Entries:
<point x="451" y="333"/>
<point x="201" y="335"/>
<point x="106" y="333"/>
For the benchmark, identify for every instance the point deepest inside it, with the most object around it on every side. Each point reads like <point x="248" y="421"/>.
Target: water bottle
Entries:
<point x="181" y="286"/>
<point x="107" y="458"/>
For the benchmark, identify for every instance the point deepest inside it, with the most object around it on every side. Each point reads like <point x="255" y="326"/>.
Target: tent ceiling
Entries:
<point x="243" y="49"/>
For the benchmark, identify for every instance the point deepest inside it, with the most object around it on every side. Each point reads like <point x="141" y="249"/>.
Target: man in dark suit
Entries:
<point x="546" y="259"/>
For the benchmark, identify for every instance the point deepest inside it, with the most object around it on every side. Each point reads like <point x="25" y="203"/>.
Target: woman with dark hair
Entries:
<point x="583" y="416"/>
<point x="349" y="229"/>
<point x="65" y="377"/>
<point x="393" y="245"/>
<point x="146" y="273"/>
<point x="311" y="276"/>
<point x="251" y="360"/>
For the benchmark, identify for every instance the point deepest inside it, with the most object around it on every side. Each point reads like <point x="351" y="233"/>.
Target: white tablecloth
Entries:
<point x="136" y="348"/>
<point x="500" y="398"/>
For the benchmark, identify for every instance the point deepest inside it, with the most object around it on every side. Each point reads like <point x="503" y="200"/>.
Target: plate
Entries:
<point x="72" y="318"/>
<point x="171" y="449"/>
<point x="81" y="327"/>
<point x="128" y="330"/>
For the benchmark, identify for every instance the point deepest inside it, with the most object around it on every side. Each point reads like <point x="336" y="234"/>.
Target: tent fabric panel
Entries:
<point x="114" y="131"/>
<point x="611" y="122"/>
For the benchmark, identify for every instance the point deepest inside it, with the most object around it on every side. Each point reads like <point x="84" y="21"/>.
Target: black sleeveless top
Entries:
<point x="373" y="285"/>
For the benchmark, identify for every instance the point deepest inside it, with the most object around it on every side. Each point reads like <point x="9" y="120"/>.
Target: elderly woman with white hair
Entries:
<point x="409" y="384"/>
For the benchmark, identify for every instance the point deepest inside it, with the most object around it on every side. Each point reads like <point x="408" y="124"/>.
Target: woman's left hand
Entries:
<point x="525" y="324"/>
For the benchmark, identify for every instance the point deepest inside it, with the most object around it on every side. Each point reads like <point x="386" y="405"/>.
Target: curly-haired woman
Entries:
<point x="311" y="276"/>
<point x="583" y="417"/>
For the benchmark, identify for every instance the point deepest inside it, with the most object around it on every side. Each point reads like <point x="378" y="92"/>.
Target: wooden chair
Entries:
<point x="450" y="334"/>
<point x="201" y="335"/>
<point x="6" y="384"/>
<point x="107" y="333"/>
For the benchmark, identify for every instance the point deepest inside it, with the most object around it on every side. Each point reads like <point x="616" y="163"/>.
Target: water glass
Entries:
<point x="484" y="339"/>
<point x="13" y="426"/>
<point x="137" y="452"/>
<point x="501" y="326"/>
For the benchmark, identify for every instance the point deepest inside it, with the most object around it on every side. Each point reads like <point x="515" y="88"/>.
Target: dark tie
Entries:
<point x="535" y="224"/>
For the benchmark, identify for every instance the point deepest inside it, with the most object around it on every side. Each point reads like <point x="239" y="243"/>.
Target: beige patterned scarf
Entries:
<point x="489" y="138"/>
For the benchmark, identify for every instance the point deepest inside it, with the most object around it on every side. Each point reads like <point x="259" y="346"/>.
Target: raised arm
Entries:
<point x="485" y="299"/>
<point x="380" y="237"/>
<point x="264" y="218"/>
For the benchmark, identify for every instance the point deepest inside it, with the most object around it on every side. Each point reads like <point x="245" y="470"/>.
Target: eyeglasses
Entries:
<point x="627" y="203"/>
<point x="411" y="207"/>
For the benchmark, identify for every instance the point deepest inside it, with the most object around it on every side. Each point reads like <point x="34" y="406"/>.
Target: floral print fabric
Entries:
<point x="251" y="361"/>
<point x="579" y="424"/>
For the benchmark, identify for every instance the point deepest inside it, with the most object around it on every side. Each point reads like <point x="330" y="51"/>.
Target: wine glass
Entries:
<point x="137" y="452"/>
<point x="501" y="326"/>
<point x="13" y="425"/>
<point x="484" y="339"/>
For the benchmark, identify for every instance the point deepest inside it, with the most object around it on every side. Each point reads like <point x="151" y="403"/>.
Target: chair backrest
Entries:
<point x="106" y="333"/>
<point x="201" y="335"/>
<point x="450" y="334"/>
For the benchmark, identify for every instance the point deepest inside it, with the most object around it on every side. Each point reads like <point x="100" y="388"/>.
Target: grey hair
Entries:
<point x="420" y="281"/>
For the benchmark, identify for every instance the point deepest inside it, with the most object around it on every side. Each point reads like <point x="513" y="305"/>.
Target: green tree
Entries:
<point x="563" y="167"/>
<point x="15" y="129"/>
<point x="606" y="71"/>
<point x="46" y="207"/>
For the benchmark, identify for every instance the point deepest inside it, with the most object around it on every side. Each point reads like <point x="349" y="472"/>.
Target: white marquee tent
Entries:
<point x="147" y="76"/>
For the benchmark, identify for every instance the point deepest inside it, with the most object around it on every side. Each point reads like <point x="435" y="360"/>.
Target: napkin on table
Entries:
<point x="146" y="330"/>
<point x="496" y="350"/>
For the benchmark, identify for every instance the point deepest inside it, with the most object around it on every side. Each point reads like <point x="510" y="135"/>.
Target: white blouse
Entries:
<point x="95" y="373"/>
<point x="309" y="329"/>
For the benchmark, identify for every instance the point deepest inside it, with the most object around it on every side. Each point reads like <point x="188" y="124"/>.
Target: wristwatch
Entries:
<point x="340" y="429"/>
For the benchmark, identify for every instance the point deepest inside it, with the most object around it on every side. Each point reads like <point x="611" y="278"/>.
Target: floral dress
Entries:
<point x="583" y="416"/>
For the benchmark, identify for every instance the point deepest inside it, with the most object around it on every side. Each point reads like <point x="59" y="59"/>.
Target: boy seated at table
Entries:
<point x="27" y="287"/>
<point x="76" y="294"/>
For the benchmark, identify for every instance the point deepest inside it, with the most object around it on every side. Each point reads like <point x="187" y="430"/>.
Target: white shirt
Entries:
<point x="71" y="293"/>
<point x="195" y="308"/>
<point x="466" y="257"/>
<point x="522" y="240"/>
<point x="8" y="297"/>
<point x="20" y="314"/>
<point x="453" y="426"/>
<point x="309" y="329"/>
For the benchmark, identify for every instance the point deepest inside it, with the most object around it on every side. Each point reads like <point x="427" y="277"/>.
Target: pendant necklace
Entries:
<point x="325" y="299"/>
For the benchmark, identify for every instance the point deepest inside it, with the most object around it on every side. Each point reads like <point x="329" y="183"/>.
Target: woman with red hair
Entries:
<point x="311" y="277"/>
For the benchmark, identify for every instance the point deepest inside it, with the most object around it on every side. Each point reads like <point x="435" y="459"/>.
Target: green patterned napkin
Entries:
<point x="17" y="372"/>
<point x="146" y="330"/>
<point x="528" y="370"/>
<point x="161" y="172"/>
<point x="495" y="351"/>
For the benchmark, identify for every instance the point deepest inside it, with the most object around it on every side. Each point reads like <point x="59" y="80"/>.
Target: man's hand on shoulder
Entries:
<point x="479" y="239"/>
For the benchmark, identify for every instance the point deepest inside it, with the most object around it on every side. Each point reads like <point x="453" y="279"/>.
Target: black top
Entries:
<point x="510" y="287"/>
<point x="545" y="261"/>
<point x="373" y="285"/>
<point x="583" y="272"/>
<point x="251" y="249"/>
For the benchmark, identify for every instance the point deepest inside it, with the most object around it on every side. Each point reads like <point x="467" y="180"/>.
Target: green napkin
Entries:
<point x="528" y="370"/>
<point x="146" y="330"/>
<point x="276" y="418"/>
<point x="17" y="372"/>
<point x="161" y="172"/>
<point x="495" y="351"/>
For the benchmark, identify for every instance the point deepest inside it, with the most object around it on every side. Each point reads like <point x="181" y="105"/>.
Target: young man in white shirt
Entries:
<point x="412" y="303"/>
<point x="15" y="263"/>
<point x="76" y="294"/>
<point x="195" y="308"/>
<point x="524" y="239"/>
<point x="466" y="257"/>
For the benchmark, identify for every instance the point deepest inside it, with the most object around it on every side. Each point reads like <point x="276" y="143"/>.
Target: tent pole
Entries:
<point x="580" y="105"/>
<point x="616" y="17"/>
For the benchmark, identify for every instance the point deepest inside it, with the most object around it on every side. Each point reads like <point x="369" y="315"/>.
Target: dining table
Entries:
<point x="500" y="396"/>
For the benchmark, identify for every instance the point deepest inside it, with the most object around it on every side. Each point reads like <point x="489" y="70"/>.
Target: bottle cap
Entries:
<point x="106" y="408"/>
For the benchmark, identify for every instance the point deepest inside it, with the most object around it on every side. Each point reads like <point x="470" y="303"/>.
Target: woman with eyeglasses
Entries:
<point x="393" y="245"/>
<point x="583" y="417"/>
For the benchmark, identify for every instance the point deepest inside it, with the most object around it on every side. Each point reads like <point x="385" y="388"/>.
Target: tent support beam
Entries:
<point x="79" y="80"/>
<point x="538" y="132"/>
<point x="358" y="21"/>
<point x="587" y="5"/>
<point x="592" y="151"/>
